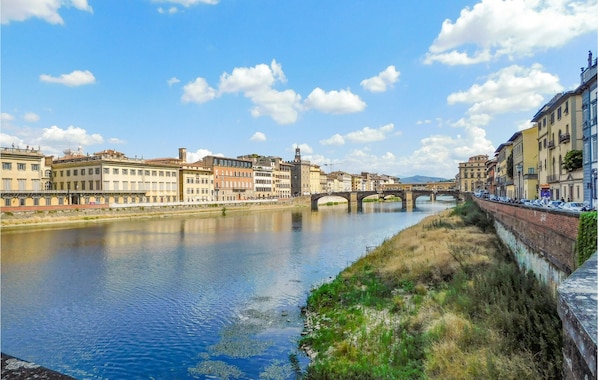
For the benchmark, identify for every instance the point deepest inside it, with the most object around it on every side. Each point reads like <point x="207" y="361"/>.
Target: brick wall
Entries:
<point x="550" y="233"/>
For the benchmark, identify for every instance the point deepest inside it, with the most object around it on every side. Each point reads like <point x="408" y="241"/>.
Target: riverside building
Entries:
<point x="27" y="178"/>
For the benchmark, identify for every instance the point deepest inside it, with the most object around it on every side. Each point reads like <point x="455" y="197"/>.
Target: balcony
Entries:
<point x="551" y="144"/>
<point x="564" y="138"/>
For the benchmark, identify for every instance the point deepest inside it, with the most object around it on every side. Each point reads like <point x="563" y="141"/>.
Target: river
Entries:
<point x="180" y="297"/>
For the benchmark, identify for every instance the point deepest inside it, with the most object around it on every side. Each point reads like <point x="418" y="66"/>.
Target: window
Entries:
<point x="106" y="170"/>
<point x="558" y="114"/>
<point x="6" y="166"/>
<point x="35" y="167"/>
<point x="68" y="173"/>
<point x="75" y="172"/>
<point x="90" y="171"/>
<point x="125" y="171"/>
<point x="6" y="184"/>
<point x="115" y="171"/>
<point x="97" y="171"/>
<point x="21" y="166"/>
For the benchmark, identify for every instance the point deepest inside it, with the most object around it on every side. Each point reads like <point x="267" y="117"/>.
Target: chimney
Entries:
<point x="589" y="59"/>
<point x="183" y="154"/>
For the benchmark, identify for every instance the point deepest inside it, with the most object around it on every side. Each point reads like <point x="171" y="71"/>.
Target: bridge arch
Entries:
<point x="407" y="197"/>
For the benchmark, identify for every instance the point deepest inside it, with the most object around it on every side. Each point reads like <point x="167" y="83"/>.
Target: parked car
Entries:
<point x="573" y="206"/>
<point x="554" y="204"/>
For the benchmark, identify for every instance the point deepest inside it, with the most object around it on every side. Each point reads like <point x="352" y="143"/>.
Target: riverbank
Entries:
<point x="442" y="299"/>
<point x="16" y="218"/>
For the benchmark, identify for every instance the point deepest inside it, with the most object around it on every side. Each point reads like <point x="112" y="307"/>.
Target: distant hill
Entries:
<point x="422" y="179"/>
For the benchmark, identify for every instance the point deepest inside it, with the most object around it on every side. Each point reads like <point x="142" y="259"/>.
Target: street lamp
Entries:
<point x="519" y="169"/>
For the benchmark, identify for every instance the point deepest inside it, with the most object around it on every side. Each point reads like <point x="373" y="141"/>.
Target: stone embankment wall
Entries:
<point x="543" y="241"/>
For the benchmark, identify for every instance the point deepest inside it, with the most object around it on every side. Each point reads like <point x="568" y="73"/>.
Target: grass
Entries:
<point x="441" y="299"/>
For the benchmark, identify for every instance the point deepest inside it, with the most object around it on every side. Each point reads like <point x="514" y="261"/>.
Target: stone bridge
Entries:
<point x="408" y="197"/>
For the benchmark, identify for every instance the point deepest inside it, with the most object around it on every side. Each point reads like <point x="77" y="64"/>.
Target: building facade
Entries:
<point x="472" y="174"/>
<point x="233" y="178"/>
<point x="26" y="178"/>
<point x="300" y="175"/>
<point x="589" y="95"/>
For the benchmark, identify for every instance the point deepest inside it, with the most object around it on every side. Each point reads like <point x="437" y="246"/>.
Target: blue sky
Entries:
<point x="386" y="86"/>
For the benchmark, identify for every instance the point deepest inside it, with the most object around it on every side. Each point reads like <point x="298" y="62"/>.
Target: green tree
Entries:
<point x="573" y="160"/>
<point x="510" y="165"/>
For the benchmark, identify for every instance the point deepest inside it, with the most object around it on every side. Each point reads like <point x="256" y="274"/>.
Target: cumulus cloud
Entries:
<point x="199" y="154"/>
<point x="255" y="83"/>
<point x="258" y="136"/>
<point x="382" y="81"/>
<point x="198" y="92"/>
<point x="334" y="140"/>
<point x="72" y="134"/>
<point x="76" y="78"/>
<point x="47" y="10"/>
<point x="364" y="135"/>
<point x="514" y="88"/>
<point x="368" y="134"/>
<point x="335" y="102"/>
<point x="31" y="117"/>
<point x="495" y="28"/>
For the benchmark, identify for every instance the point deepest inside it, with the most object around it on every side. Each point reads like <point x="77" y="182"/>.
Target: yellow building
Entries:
<point x="525" y="161"/>
<point x="26" y="180"/>
<point x="503" y="175"/>
<point x="560" y="131"/>
<point x="196" y="183"/>
<point x="472" y="174"/>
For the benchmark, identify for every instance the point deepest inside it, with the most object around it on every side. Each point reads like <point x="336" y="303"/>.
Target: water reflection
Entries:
<point x="170" y="297"/>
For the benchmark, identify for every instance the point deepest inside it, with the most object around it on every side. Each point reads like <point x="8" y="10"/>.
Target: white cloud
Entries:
<point x="7" y="140"/>
<point x="334" y="140"/>
<point x="188" y="3"/>
<point x="256" y="83"/>
<point x="494" y="28"/>
<point x="368" y="134"/>
<point x="427" y="121"/>
<point x="335" y="102"/>
<point x="170" y="11"/>
<point x="4" y="116"/>
<point x="31" y="117"/>
<point x="364" y="135"/>
<point x="47" y="10"/>
<point x="173" y="80"/>
<point x="76" y="78"/>
<point x="199" y="154"/>
<point x="514" y="88"/>
<point x="116" y="140"/>
<point x="71" y="135"/>
<point x="258" y="136"/>
<point x="382" y="81"/>
<point x="198" y="92"/>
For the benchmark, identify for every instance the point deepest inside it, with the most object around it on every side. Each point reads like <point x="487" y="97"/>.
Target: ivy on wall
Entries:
<point x="573" y="160"/>
<point x="587" y="236"/>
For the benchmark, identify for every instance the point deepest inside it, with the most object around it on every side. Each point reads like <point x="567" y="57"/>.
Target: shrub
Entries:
<point x="586" y="236"/>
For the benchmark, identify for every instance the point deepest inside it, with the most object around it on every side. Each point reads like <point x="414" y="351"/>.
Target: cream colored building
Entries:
<point x="472" y="174"/>
<point x="26" y="178"/>
<point x="282" y="178"/>
<point x="560" y="130"/>
<point x="111" y="177"/>
<point x="315" y="185"/>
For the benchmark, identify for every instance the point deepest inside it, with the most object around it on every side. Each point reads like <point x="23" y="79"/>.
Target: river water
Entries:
<point x="180" y="298"/>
